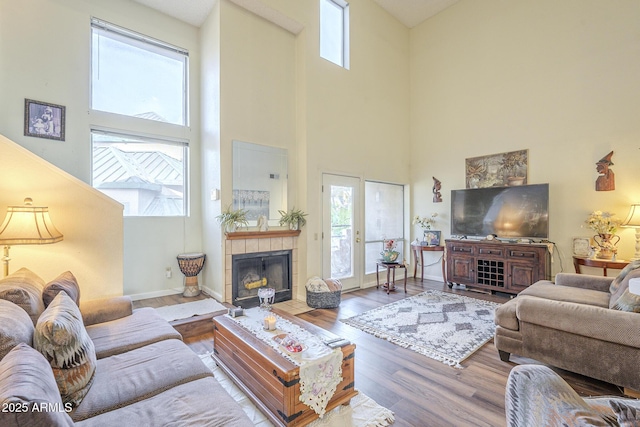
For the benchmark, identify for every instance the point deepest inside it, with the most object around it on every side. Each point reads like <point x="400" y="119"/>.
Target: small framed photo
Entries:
<point x="581" y="246"/>
<point x="432" y="237"/>
<point x="44" y="120"/>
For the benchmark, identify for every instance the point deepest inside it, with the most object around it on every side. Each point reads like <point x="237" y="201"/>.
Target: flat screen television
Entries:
<point x="507" y="212"/>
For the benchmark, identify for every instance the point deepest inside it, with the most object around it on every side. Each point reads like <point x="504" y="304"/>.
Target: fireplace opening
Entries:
<point x="253" y="271"/>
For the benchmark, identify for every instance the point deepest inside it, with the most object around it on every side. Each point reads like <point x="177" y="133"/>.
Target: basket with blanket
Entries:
<point x="323" y="293"/>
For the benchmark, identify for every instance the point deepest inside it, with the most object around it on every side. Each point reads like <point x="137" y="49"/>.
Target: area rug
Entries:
<point x="443" y="326"/>
<point x="361" y="412"/>
<point x="189" y="309"/>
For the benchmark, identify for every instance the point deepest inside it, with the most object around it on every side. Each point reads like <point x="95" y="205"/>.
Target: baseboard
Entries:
<point x="156" y="294"/>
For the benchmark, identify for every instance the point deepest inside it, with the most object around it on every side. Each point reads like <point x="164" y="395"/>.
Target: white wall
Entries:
<point x="557" y="78"/>
<point x="45" y="46"/>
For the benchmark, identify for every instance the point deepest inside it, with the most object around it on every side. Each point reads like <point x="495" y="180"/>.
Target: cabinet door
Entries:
<point x="521" y="275"/>
<point x="461" y="269"/>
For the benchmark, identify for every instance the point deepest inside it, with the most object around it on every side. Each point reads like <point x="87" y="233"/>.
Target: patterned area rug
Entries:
<point x="443" y="326"/>
<point x="361" y="412"/>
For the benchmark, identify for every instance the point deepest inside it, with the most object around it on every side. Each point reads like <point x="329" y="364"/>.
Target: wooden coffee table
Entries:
<point x="267" y="378"/>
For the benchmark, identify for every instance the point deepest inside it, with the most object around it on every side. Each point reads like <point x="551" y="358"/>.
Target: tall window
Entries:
<point x="384" y="219"/>
<point x="139" y="90"/>
<point x="334" y="31"/>
<point x="137" y="76"/>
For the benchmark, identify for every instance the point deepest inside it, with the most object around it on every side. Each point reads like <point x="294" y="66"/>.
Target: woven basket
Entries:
<point x="323" y="299"/>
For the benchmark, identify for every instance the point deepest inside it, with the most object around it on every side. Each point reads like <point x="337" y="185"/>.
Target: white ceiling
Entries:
<point x="409" y="12"/>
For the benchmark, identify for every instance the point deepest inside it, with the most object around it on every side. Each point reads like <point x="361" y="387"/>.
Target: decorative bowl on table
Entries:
<point x="289" y="343"/>
<point x="389" y="256"/>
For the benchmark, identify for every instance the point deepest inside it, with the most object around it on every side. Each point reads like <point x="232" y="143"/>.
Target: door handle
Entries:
<point x="357" y="240"/>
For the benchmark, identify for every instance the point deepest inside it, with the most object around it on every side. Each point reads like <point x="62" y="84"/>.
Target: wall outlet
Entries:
<point x="168" y="273"/>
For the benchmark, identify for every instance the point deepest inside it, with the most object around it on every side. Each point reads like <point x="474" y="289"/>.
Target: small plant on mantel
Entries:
<point x="230" y="220"/>
<point x="293" y="218"/>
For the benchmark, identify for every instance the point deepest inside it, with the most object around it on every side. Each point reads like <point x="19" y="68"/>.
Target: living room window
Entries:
<point x="137" y="76"/>
<point x="147" y="175"/>
<point x="334" y="32"/>
<point x="384" y="219"/>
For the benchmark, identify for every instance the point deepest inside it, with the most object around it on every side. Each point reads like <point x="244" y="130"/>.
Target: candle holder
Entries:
<point x="269" y="322"/>
<point x="267" y="297"/>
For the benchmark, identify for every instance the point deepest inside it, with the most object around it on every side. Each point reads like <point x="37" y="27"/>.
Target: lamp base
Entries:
<point x="5" y="260"/>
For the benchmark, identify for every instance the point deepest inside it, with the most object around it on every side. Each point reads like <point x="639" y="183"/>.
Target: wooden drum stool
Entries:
<point x="191" y="265"/>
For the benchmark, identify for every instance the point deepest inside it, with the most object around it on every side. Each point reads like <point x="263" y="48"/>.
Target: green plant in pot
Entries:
<point x="230" y="220"/>
<point x="293" y="218"/>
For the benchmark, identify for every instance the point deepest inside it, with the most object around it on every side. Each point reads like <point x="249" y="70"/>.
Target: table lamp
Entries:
<point x="26" y="225"/>
<point x="633" y="220"/>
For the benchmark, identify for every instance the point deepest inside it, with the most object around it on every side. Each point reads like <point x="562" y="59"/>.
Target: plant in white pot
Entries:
<point x="230" y="220"/>
<point x="293" y="218"/>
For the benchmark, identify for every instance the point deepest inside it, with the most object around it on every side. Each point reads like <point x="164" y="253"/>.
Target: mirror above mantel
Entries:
<point x="260" y="181"/>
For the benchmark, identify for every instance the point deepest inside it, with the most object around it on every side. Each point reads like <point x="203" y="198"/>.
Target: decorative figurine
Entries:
<point x="437" y="185"/>
<point x="606" y="179"/>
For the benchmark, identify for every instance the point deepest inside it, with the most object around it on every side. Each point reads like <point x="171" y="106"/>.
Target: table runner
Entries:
<point x="320" y="366"/>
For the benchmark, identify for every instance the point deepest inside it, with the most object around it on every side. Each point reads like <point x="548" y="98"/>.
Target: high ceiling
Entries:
<point x="409" y="12"/>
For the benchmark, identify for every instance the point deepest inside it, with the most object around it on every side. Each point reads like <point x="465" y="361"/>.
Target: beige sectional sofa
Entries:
<point x="142" y="374"/>
<point x="581" y="323"/>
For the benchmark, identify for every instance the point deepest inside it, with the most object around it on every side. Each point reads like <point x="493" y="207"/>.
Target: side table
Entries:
<point x="390" y="284"/>
<point x="598" y="263"/>
<point x="418" y="251"/>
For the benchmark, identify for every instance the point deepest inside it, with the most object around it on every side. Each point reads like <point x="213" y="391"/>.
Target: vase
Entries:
<point x="389" y="256"/>
<point x="607" y="243"/>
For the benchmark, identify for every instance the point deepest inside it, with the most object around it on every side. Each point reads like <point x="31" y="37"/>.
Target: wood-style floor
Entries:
<point x="422" y="391"/>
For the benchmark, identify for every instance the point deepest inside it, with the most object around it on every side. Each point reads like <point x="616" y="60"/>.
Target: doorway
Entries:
<point x="341" y="230"/>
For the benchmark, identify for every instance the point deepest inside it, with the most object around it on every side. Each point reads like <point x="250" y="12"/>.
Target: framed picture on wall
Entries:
<point x="432" y="237"/>
<point x="44" y="120"/>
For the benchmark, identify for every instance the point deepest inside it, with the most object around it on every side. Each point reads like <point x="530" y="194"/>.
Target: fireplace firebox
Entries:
<point x="253" y="271"/>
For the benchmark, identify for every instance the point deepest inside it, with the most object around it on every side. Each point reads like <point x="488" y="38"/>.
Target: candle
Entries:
<point x="270" y="323"/>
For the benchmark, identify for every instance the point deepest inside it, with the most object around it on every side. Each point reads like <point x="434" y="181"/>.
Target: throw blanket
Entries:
<point x="320" y="366"/>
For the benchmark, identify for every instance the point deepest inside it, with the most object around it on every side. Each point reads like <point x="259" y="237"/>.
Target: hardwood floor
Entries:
<point x="422" y="391"/>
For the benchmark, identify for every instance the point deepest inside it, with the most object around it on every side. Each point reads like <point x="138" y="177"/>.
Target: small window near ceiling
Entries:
<point x="138" y="76"/>
<point x="384" y="219"/>
<point x="147" y="175"/>
<point x="334" y="32"/>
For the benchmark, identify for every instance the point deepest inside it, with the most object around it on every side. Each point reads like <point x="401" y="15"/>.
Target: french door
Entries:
<point x="341" y="230"/>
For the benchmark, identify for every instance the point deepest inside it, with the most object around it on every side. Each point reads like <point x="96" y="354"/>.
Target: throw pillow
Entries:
<point x="622" y="299"/>
<point x="63" y="340"/>
<point x="15" y="327"/>
<point x="628" y="416"/>
<point x="333" y="284"/>
<point x="27" y="385"/>
<point x="24" y="288"/>
<point x="64" y="282"/>
<point x="316" y="284"/>
<point x="617" y="282"/>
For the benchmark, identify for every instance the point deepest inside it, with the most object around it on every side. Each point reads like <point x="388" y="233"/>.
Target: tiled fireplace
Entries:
<point x="251" y="251"/>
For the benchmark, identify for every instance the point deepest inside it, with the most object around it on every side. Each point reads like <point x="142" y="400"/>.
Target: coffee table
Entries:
<point x="271" y="381"/>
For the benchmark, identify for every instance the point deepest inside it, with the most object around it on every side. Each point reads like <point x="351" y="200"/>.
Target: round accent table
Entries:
<point x="191" y="265"/>
<point x="598" y="263"/>
<point x="390" y="284"/>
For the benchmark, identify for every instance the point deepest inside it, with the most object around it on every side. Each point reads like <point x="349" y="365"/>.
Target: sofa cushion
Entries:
<point x="548" y="290"/>
<point x="621" y="298"/>
<point x="64" y="282"/>
<point x="143" y="327"/>
<point x="628" y="415"/>
<point x="61" y="337"/>
<point x="24" y="288"/>
<point x="26" y="382"/>
<point x="138" y="374"/>
<point x="202" y="402"/>
<point x="15" y="327"/>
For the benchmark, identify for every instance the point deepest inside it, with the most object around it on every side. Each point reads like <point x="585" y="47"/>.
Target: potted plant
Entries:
<point x="230" y="220"/>
<point x="293" y="218"/>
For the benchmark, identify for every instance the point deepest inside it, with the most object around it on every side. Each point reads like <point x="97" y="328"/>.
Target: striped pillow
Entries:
<point x="61" y="337"/>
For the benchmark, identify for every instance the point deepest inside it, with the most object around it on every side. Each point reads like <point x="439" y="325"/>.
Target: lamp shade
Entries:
<point x="633" y="219"/>
<point x="28" y="225"/>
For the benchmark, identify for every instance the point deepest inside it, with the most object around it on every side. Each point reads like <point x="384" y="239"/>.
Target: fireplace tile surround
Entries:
<point x="266" y="241"/>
